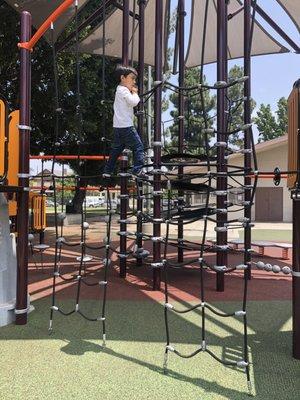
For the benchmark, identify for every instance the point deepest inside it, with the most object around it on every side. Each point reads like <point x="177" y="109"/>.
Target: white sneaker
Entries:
<point x="106" y="175"/>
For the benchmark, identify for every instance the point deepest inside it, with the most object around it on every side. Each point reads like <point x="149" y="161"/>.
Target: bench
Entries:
<point x="263" y="244"/>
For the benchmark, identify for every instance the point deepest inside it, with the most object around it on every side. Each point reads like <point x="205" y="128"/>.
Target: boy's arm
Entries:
<point x="132" y="99"/>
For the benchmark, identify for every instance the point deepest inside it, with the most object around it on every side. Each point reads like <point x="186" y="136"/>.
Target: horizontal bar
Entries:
<point x="43" y="28"/>
<point x="68" y="157"/>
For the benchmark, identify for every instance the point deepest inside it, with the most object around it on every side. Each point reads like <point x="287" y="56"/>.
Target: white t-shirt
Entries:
<point x="123" y="107"/>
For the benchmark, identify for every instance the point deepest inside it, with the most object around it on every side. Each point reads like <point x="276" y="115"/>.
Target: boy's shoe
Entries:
<point x="106" y="175"/>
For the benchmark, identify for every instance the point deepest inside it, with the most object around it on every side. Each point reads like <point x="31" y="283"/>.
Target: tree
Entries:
<point x="194" y="116"/>
<point x="282" y="115"/>
<point x="96" y="116"/>
<point x="235" y="95"/>
<point x="194" y="121"/>
<point x="270" y="126"/>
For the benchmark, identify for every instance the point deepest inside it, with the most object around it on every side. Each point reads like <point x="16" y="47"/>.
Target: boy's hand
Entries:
<point x="134" y="89"/>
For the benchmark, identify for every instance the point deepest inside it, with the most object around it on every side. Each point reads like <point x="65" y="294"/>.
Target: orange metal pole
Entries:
<point x="96" y="188"/>
<point x="42" y="29"/>
<point x="266" y="176"/>
<point x="68" y="157"/>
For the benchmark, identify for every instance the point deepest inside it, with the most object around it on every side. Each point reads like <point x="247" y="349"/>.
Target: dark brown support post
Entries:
<point x="157" y="147"/>
<point x="139" y="228"/>
<point x="181" y="15"/>
<point x="125" y="37"/>
<point x="221" y="127"/>
<point x="247" y="137"/>
<point x="23" y="196"/>
<point x="123" y="214"/>
<point x="296" y="272"/>
<point x="124" y="162"/>
<point x="296" y="238"/>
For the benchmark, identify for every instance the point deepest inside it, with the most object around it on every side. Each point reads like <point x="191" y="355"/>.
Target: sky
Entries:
<point x="272" y="75"/>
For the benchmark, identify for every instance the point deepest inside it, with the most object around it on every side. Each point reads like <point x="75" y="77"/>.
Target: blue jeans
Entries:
<point x="125" y="138"/>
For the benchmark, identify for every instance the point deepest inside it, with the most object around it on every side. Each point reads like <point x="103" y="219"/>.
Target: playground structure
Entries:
<point x="217" y="169"/>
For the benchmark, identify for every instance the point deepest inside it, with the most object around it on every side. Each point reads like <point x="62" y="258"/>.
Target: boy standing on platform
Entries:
<point x="125" y="134"/>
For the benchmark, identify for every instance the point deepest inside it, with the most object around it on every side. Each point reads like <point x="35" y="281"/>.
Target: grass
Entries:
<point x="72" y="364"/>
<point x="275" y="235"/>
<point x="89" y="210"/>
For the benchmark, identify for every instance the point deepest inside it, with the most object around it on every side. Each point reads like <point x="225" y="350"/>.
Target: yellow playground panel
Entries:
<point x="38" y="209"/>
<point x="13" y="158"/>
<point x="9" y="148"/>
<point x="3" y="138"/>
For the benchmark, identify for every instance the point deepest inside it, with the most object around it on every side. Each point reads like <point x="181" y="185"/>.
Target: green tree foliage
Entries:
<point x="235" y="95"/>
<point x="271" y="126"/>
<point x="194" y="116"/>
<point x="282" y="115"/>
<point x="96" y="115"/>
<point x="194" y="122"/>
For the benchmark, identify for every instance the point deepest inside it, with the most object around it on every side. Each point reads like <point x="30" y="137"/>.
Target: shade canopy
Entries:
<point x="93" y="44"/>
<point x="292" y="7"/>
<point x="41" y="9"/>
<point x="263" y="42"/>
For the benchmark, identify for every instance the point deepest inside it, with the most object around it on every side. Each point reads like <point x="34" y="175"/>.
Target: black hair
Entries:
<point x="125" y="71"/>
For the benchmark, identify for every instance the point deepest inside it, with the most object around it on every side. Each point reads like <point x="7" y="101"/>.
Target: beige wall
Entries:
<point x="268" y="159"/>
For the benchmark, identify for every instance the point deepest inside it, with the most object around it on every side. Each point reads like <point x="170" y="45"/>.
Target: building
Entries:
<point x="272" y="203"/>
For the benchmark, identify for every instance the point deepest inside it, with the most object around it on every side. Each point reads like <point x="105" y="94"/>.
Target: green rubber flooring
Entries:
<point x="72" y="364"/>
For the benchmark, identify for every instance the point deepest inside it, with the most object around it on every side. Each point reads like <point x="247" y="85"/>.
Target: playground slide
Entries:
<point x="8" y="266"/>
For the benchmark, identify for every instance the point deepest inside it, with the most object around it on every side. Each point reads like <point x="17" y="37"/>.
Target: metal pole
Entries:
<point x="247" y="138"/>
<point x="141" y="57"/>
<point x="157" y="146"/>
<point x="149" y="132"/>
<point x="23" y="196"/>
<point x="181" y="15"/>
<point x="221" y="127"/>
<point x="296" y="276"/>
<point x="123" y="183"/>
<point x="296" y="245"/>
<point x="125" y="37"/>
<point x="123" y="214"/>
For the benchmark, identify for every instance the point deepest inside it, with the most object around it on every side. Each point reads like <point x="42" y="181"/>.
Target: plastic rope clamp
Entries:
<point x="240" y="313"/>
<point x="220" y="192"/>
<point x="170" y="348"/>
<point x="25" y="127"/>
<point x="54" y="308"/>
<point x="21" y="311"/>
<point x="241" y="267"/>
<point x="242" y="364"/>
<point x="157" y="265"/>
<point x="221" y="229"/>
<point x="157" y="239"/>
<point x="122" y="255"/>
<point x="221" y="144"/>
<point x="23" y="175"/>
<point x="220" y="268"/>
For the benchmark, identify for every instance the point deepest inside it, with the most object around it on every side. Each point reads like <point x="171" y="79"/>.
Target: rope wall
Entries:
<point x="169" y="173"/>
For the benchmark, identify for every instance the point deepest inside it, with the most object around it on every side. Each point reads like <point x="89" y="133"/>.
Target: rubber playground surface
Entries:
<point x="72" y="364"/>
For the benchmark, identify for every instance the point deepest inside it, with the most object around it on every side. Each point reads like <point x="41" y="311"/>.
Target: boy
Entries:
<point x="125" y="134"/>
